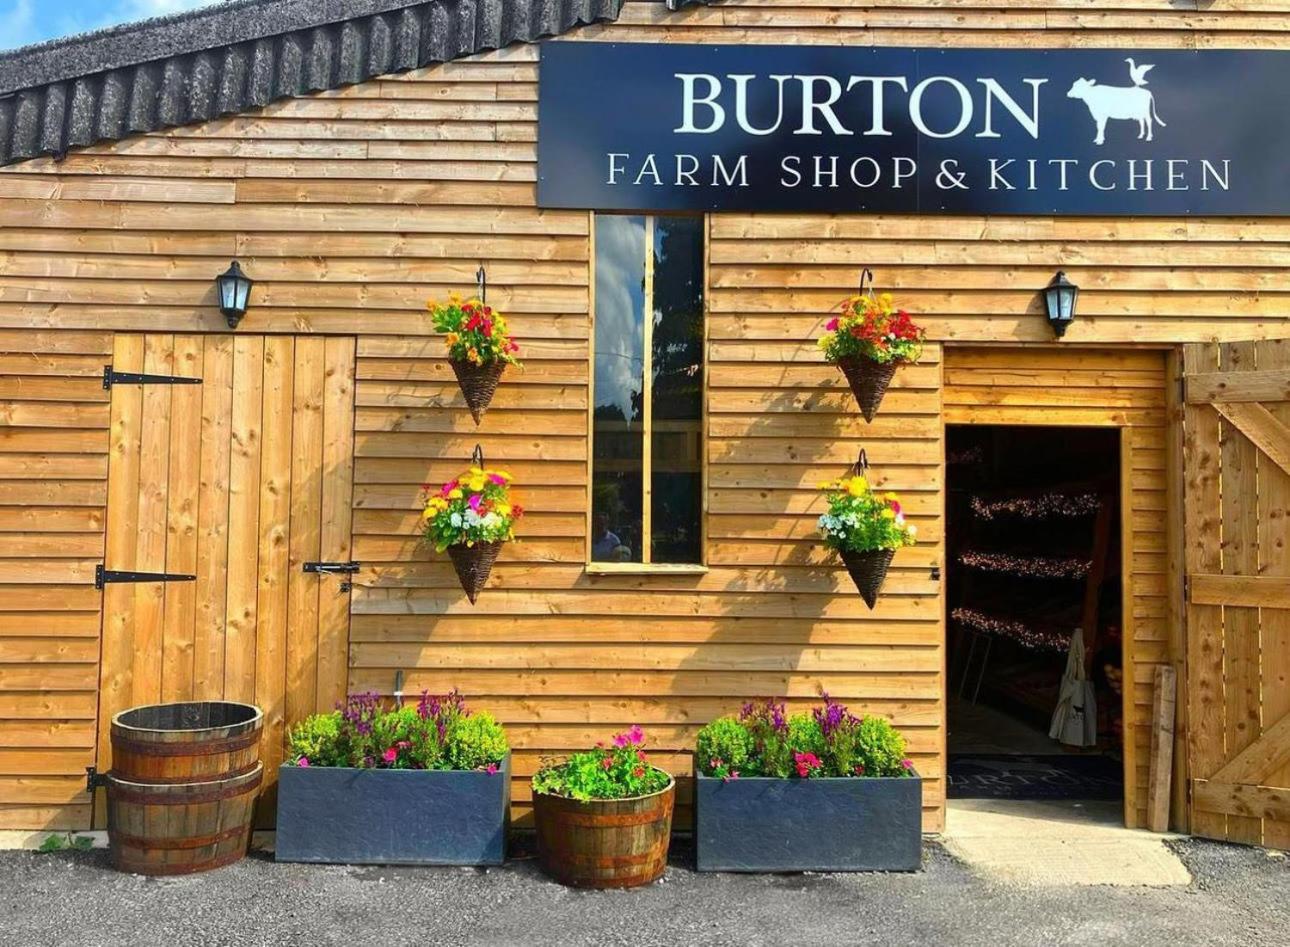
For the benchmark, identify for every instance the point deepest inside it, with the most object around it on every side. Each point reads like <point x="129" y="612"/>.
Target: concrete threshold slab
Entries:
<point x="1057" y="844"/>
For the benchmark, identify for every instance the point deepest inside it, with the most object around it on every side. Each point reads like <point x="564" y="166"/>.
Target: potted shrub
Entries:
<point x="825" y="791"/>
<point x="604" y="817"/>
<point x="414" y="785"/>
<point x="479" y="347"/>
<point x="869" y="340"/>
<point x="866" y="528"/>
<point x="471" y="516"/>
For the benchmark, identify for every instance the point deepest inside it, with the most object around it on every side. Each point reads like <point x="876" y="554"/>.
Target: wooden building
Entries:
<point x="358" y="163"/>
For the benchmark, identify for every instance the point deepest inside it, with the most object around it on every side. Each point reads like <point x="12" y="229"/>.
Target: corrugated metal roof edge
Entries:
<point x="221" y="60"/>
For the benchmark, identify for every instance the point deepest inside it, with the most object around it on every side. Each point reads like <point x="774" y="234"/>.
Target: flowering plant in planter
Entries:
<point x="763" y="740"/>
<point x="378" y="784"/>
<point x="471" y="516"/>
<point x="439" y="733"/>
<point x="611" y="801"/>
<point x="820" y="791"/>
<point x="869" y="339"/>
<point x="479" y="347"/>
<point x="866" y="528"/>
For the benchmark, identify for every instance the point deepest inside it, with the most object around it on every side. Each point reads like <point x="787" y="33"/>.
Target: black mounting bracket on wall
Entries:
<point x="113" y="377"/>
<point x="335" y="568"/>
<point x="104" y="577"/>
<point x="94" y="779"/>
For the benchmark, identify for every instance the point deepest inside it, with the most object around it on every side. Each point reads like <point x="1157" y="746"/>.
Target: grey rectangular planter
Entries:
<point x="763" y="824"/>
<point x="393" y="816"/>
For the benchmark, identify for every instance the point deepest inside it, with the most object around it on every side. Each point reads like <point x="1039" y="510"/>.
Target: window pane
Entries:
<point x="618" y="419"/>
<point x="676" y="443"/>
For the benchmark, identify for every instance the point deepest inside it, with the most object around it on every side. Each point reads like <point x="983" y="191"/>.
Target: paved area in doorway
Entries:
<point x="1237" y="897"/>
<point x="1059" y="844"/>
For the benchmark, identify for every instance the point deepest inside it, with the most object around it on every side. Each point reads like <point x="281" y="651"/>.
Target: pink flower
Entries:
<point x="832" y="324"/>
<point x="303" y="761"/>
<point x="607" y="762"/>
<point x="859" y="770"/>
<point x="391" y="754"/>
<point x="806" y="763"/>
<point x="907" y="763"/>
<point x="633" y="737"/>
<point x="475" y="500"/>
<point x="500" y="481"/>
<point x="491" y="769"/>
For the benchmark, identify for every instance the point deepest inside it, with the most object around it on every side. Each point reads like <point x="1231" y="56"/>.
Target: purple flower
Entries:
<point x="832" y="716"/>
<point x="303" y="761"/>
<point x="491" y="769"/>
<point x="475" y="500"/>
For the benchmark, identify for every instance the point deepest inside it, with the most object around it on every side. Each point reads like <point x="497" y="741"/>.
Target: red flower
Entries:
<point x="607" y="762"/>
<point x="806" y="763"/>
<point x="638" y="772"/>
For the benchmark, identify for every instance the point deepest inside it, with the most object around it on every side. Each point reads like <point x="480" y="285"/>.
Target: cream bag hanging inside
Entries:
<point x="1075" y="718"/>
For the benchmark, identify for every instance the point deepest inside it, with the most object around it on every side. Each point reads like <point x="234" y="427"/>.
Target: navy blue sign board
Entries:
<point x="668" y="127"/>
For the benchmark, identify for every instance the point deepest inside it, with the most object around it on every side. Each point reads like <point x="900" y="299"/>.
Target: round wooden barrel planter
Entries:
<point x="609" y="843"/>
<point x="183" y="785"/>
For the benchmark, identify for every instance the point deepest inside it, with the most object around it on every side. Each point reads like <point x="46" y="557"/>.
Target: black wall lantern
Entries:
<point x="234" y="288"/>
<point x="1059" y="299"/>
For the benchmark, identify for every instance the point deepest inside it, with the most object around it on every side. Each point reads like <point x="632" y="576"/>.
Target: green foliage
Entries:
<point x="438" y="733"/>
<point x="474" y="332"/>
<point x="66" y="842"/>
<point x="871" y="327"/>
<point x="618" y="772"/>
<point x="477" y="740"/>
<point x="473" y="508"/>
<point x="317" y="739"/>
<point x="764" y="741"/>
<point x="726" y="747"/>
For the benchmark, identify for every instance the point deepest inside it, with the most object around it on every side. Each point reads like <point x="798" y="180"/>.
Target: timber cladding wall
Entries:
<point x="352" y="208"/>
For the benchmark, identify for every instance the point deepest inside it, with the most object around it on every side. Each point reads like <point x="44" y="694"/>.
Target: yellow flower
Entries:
<point x="503" y="509"/>
<point x="430" y="513"/>
<point x="455" y="298"/>
<point x="455" y="494"/>
<point x="889" y="514"/>
<point x="501" y="473"/>
<point x="453" y="339"/>
<point x="432" y="304"/>
<point x="476" y="485"/>
<point x="857" y="486"/>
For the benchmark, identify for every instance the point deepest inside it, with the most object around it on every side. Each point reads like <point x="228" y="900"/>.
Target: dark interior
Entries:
<point x="196" y="715"/>
<point x="1033" y="555"/>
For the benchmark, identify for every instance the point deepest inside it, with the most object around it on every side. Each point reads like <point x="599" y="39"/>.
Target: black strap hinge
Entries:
<point x="113" y="377"/>
<point x="104" y="577"/>
<point x="94" y="779"/>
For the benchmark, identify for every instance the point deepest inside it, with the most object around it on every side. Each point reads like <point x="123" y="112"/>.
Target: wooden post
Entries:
<point x="1162" y="748"/>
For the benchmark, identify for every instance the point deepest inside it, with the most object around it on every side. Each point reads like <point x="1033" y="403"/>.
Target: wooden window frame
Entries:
<point x="645" y="566"/>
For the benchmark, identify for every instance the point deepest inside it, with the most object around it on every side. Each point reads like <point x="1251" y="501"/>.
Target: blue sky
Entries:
<point x="31" y="21"/>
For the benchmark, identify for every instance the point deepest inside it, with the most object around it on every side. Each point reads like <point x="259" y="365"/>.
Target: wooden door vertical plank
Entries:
<point x="212" y="518"/>
<point x="177" y="671"/>
<point x="1240" y="486"/>
<point x="1274" y="560"/>
<point x="274" y="548"/>
<point x="1203" y="554"/>
<point x="306" y="504"/>
<point x="336" y="518"/>
<point x="1175" y="570"/>
<point x="121" y="525"/>
<point x="243" y="517"/>
<point x="154" y="471"/>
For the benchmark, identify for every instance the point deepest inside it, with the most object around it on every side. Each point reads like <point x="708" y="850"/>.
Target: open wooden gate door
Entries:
<point x="237" y="481"/>
<point x="1237" y="460"/>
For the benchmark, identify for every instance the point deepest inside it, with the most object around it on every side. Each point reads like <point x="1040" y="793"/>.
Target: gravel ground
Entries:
<point x="1240" y="896"/>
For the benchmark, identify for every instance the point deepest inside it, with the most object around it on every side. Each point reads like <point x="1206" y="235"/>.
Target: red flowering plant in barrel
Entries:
<point x="618" y="771"/>
<point x="471" y="516"/>
<point x="479" y="347"/>
<point x="869" y="339"/>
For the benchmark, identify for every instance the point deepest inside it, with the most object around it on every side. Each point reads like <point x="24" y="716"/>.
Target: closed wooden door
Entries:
<point x="1237" y="458"/>
<point x="239" y="481"/>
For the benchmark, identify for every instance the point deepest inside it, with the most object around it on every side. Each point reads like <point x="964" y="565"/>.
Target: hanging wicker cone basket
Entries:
<point x="868" y="571"/>
<point x="478" y="384"/>
<point x="868" y="380"/>
<point x="473" y="565"/>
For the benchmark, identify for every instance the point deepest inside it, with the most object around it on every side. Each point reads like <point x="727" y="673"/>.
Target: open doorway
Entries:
<point x="1033" y="568"/>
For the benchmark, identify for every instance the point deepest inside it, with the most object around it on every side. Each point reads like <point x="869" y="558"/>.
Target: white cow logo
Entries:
<point x="1133" y="102"/>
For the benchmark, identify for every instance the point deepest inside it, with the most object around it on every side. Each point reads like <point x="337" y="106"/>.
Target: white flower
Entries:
<point x="456" y="520"/>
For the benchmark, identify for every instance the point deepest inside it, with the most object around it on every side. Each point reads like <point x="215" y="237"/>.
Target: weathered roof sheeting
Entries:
<point x="238" y="56"/>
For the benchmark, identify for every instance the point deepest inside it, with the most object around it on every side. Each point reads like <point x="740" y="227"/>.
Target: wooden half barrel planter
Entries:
<point x="338" y="815"/>
<point x="183" y="786"/>
<point x="604" y="843"/>
<point x="837" y="824"/>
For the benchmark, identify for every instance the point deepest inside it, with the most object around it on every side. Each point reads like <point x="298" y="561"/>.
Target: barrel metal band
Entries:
<point x="191" y="778"/>
<point x="610" y="821"/>
<point x="609" y="861"/>
<point x="177" y="844"/>
<point x="148" y="748"/>
<point x="117" y="794"/>
<point x="151" y="868"/>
